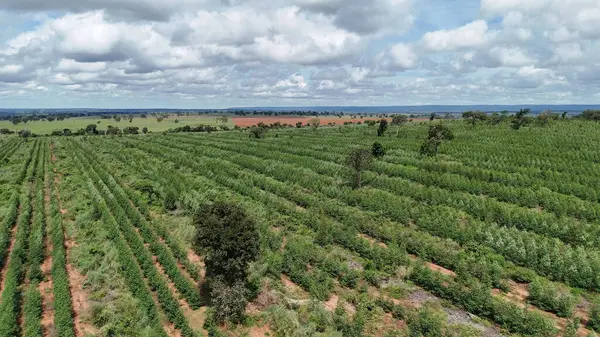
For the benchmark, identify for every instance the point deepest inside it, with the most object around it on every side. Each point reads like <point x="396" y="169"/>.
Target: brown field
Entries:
<point x="250" y="121"/>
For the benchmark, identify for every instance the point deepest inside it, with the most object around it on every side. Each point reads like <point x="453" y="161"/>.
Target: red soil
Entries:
<point x="332" y="303"/>
<point x="260" y="331"/>
<point x="435" y="267"/>
<point x="194" y="317"/>
<point x="372" y="240"/>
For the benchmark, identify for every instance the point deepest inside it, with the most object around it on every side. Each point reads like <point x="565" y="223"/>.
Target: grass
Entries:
<point x="45" y="127"/>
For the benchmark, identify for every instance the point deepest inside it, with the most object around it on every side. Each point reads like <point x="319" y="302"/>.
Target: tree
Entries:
<point x="229" y="302"/>
<point x="377" y="150"/>
<point x="544" y="118"/>
<point x="432" y="116"/>
<point x="435" y="135"/>
<point x="383" y="125"/>
<point x="474" y="116"/>
<point x="91" y="129"/>
<point x="399" y="119"/>
<point x="594" y="319"/>
<point x="520" y="119"/>
<point x="358" y="160"/>
<point x="229" y="240"/>
<point x="258" y="132"/>
<point x="25" y="134"/>
<point x="299" y="125"/>
<point x="314" y="123"/>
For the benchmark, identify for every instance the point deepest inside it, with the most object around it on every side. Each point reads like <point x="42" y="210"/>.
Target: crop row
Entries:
<point x="567" y="229"/>
<point x="576" y="178"/>
<point x="131" y="248"/>
<point x="10" y="305"/>
<point x="298" y="255"/>
<point x="161" y="251"/>
<point x="548" y="257"/>
<point x="158" y="175"/>
<point x="32" y="302"/>
<point x="335" y="233"/>
<point x="8" y="148"/>
<point x="63" y="305"/>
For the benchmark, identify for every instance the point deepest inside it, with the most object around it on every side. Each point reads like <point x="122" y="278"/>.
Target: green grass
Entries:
<point x="45" y="127"/>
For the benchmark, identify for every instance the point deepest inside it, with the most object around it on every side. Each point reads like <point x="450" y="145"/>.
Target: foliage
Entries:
<point x="520" y="119"/>
<point x="383" y="126"/>
<point x="591" y="115"/>
<point x="228" y="301"/>
<point x="258" y="132"/>
<point x="427" y="322"/>
<point x="358" y="160"/>
<point x="549" y="297"/>
<point x="377" y="150"/>
<point x="399" y="120"/>
<point x="228" y="238"/>
<point x="472" y="117"/>
<point x="435" y="135"/>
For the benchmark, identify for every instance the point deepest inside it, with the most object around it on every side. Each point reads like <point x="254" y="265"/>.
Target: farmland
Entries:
<point x="153" y="123"/>
<point x="496" y="235"/>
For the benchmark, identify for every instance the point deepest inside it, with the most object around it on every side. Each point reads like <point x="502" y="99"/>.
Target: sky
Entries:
<point x="232" y="53"/>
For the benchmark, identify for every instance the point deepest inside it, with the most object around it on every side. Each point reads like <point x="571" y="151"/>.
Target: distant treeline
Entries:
<point x="18" y="118"/>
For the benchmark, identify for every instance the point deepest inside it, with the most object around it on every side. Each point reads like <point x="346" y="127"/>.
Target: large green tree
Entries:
<point x="435" y="135"/>
<point x="228" y="239"/>
<point x="358" y="160"/>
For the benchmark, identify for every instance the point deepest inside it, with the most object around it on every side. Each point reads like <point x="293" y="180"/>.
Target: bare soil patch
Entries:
<point x="262" y="331"/>
<point x="372" y="240"/>
<point x="292" y="120"/>
<point x="332" y="303"/>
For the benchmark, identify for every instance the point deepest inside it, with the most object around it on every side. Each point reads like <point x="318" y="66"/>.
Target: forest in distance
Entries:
<point x="476" y="224"/>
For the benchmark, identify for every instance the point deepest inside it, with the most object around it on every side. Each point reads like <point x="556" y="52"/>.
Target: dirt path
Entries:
<point x="198" y="261"/>
<point x="195" y="318"/>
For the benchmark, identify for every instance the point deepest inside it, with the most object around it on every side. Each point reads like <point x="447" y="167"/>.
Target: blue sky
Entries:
<point x="222" y="53"/>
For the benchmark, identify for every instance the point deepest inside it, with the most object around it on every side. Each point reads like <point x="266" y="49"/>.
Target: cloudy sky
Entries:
<point x="223" y="53"/>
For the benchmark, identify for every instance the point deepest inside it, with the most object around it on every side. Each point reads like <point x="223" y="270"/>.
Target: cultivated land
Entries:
<point x="43" y="127"/>
<point x="496" y="235"/>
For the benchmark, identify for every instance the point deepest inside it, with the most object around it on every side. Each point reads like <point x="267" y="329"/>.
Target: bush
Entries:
<point x="229" y="302"/>
<point x="549" y="297"/>
<point x="377" y="150"/>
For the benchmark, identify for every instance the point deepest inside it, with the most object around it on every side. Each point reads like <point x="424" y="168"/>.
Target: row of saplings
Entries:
<point x="229" y="240"/>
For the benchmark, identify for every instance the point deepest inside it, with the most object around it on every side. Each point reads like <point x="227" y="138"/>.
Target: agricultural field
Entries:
<point x="154" y="124"/>
<point x="496" y="235"/>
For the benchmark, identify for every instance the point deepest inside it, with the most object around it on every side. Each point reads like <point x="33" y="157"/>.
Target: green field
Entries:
<point x="44" y="127"/>
<point x="496" y="235"/>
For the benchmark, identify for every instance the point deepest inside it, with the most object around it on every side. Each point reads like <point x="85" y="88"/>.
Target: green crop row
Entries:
<point x="544" y="255"/>
<point x="132" y="249"/>
<point x="160" y="250"/>
<point x="10" y="305"/>
<point x="63" y="305"/>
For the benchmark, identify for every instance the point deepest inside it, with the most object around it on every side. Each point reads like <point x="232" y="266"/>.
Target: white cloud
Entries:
<point x="510" y="57"/>
<point x="403" y="56"/>
<point x="11" y="69"/>
<point x="474" y="34"/>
